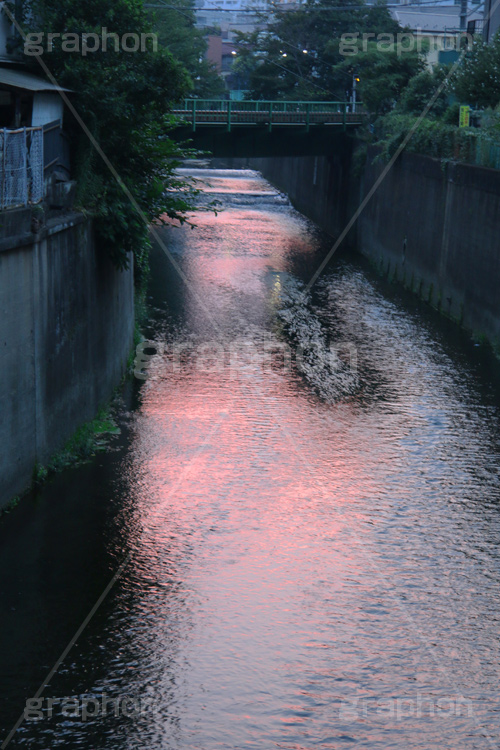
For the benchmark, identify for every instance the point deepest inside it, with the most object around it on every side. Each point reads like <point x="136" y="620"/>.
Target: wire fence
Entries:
<point x="21" y="167"/>
<point x="487" y="152"/>
<point x="478" y="145"/>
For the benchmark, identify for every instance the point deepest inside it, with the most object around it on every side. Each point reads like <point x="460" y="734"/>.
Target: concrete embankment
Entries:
<point x="432" y="226"/>
<point x="66" y="331"/>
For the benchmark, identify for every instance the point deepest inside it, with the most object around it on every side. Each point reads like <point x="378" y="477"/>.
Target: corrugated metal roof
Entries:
<point x="21" y="80"/>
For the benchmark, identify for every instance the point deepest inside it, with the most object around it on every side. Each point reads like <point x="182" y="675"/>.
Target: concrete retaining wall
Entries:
<point x="66" y="331"/>
<point x="318" y="186"/>
<point x="432" y="226"/>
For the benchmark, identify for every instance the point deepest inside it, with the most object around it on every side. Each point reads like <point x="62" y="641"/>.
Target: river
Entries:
<point x="302" y="506"/>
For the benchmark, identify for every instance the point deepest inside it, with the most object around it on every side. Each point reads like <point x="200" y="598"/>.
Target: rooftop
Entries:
<point x="20" y="80"/>
<point x="434" y="18"/>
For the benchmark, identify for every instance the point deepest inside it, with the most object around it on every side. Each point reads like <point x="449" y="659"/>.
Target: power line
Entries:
<point x="427" y="3"/>
<point x="255" y="11"/>
<point x="307" y="9"/>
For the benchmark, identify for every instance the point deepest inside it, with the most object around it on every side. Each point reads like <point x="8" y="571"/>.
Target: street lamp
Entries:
<point x="355" y="80"/>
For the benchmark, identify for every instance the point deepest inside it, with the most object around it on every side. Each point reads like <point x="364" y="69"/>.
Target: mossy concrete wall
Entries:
<point x="66" y="331"/>
<point x="433" y="226"/>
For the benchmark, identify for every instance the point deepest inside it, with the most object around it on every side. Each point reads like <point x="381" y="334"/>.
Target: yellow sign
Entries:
<point x="464" y="116"/>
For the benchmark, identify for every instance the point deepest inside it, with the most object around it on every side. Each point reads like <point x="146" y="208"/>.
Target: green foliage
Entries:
<point x="477" y="79"/>
<point x="451" y="114"/>
<point x="40" y="474"/>
<point x="280" y="69"/>
<point x="421" y="89"/>
<point x="90" y="439"/>
<point x="429" y="137"/>
<point x="383" y="75"/>
<point x="124" y="99"/>
<point x="93" y="437"/>
<point x="175" y="26"/>
<point x="10" y="506"/>
<point x="245" y="64"/>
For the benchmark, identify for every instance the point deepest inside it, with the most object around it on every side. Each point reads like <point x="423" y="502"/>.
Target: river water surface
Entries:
<point x="306" y="494"/>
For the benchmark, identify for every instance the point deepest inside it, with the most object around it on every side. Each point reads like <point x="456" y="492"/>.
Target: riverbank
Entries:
<point x="429" y="225"/>
<point x="66" y="328"/>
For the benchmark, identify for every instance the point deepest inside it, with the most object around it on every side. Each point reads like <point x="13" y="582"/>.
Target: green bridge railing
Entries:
<point x="228" y="113"/>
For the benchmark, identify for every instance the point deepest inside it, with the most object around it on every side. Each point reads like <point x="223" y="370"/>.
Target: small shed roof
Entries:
<point x="20" y="80"/>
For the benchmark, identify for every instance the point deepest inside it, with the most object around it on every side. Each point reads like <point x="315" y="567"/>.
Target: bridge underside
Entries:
<point x="252" y="141"/>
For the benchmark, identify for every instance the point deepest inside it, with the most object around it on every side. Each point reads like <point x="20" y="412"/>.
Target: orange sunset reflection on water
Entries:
<point x="311" y="543"/>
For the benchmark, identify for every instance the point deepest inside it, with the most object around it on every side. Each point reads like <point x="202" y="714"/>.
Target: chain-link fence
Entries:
<point x="21" y="167"/>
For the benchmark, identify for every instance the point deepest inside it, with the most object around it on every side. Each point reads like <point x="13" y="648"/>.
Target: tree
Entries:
<point x="300" y="55"/>
<point x="124" y="99"/>
<point x="175" y="25"/>
<point x="383" y="75"/>
<point x="422" y="88"/>
<point x="477" y="79"/>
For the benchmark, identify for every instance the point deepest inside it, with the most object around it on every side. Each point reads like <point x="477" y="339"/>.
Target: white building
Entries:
<point x="438" y="24"/>
<point x="231" y="15"/>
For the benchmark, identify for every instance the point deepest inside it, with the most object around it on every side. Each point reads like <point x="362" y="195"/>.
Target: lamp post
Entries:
<point x="355" y="80"/>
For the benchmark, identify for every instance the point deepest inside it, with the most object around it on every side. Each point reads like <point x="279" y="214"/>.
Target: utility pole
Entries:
<point x="463" y="16"/>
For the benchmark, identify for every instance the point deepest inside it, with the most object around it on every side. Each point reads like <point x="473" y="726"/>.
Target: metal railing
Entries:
<point x="222" y="105"/>
<point x="229" y="113"/>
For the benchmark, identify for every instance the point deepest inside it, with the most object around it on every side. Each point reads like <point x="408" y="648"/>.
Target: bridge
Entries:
<point x="229" y="114"/>
<point x="265" y="128"/>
